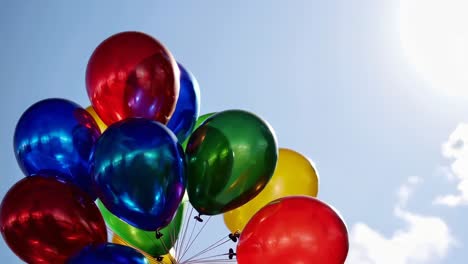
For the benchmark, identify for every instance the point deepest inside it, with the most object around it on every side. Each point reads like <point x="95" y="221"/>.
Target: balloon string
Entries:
<point x="181" y="231"/>
<point x="186" y="247"/>
<point x="210" y="248"/>
<point x="184" y="231"/>
<point x="199" y="231"/>
<point x="164" y="245"/>
<point x="206" y="258"/>
<point x="221" y="261"/>
<point x="214" y="245"/>
<point x="172" y="235"/>
<point x="212" y="261"/>
<point x="175" y="232"/>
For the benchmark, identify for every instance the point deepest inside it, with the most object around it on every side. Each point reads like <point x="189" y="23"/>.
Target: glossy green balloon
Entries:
<point x="230" y="158"/>
<point x="200" y="120"/>
<point x="145" y="240"/>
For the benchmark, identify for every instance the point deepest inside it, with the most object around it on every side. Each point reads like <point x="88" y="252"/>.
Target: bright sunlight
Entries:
<point x="434" y="35"/>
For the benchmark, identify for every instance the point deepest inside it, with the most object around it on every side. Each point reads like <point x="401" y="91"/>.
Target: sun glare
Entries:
<point x="434" y="36"/>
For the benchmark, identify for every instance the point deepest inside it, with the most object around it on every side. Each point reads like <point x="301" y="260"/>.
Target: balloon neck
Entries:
<point x="234" y="236"/>
<point x="198" y="218"/>
<point x="159" y="234"/>
<point x="232" y="254"/>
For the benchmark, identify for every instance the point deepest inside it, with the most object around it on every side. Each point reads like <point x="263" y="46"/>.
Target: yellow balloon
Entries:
<point x="96" y="118"/>
<point x="167" y="259"/>
<point x="294" y="175"/>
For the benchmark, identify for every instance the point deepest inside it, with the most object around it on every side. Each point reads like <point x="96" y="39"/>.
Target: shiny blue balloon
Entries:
<point x="56" y="137"/>
<point x="139" y="172"/>
<point x="188" y="106"/>
<point x="108" y="253"/>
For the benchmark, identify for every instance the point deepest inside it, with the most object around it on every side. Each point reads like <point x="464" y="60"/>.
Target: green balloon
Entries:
<point x="230" y="158"/>
<point x="145" y="240"/>
<point x="200" y="120"/>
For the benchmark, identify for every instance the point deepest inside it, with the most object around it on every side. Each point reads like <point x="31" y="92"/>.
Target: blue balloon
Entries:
<point x="188" y="106"/>
<point x="139" y="172"/>
<point x="108" y="253"/>
<point x="56" y="137"/>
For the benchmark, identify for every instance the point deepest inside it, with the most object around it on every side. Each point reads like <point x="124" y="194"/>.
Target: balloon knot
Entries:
<point x="158" y="234"/>
<point x="198" y="218"/>
<point x="231" y="253"/>
<point x="234" y="237"/>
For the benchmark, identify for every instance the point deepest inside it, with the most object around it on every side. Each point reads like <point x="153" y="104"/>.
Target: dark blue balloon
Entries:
<point x="56" y="137"/>
<point x="188" y="106"/>
<point x="108" y="253"/>
<point x="139" y="172"/>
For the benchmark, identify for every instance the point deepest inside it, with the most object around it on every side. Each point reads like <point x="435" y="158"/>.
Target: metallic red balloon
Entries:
<point x="292" y="230"/>
<point x="131" y="74"/>
<point x="44" y="220"/>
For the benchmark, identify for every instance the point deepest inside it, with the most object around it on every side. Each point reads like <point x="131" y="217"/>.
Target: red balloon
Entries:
<point x="44" y="220"/>
<point x="131" y="74"/>
<point x="296" y="230"/>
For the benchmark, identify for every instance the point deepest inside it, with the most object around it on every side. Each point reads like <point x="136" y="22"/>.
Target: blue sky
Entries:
<point x="331" y="77"/>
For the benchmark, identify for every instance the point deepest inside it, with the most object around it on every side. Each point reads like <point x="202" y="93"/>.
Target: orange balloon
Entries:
<point x="96" y="118"/>
<point x="167" y="259"/>
<point x="294" y="175"/>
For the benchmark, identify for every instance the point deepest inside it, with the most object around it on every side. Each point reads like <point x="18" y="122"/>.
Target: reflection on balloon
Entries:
<point x="44" y="220"/>
<point x="131" y="74"/>
<point x="56" y="136"/>
<point x="139" y="172"/>
<point x="200" y="121"/>
<point x="188" y="106"/>
<point x="145" y="241"/>
<point x="294" y="229"/>
<point x="294" y="175"/>
<point x="96" y="118"/>
<point x="230" y="159"/>
<point x="108" y="253"/>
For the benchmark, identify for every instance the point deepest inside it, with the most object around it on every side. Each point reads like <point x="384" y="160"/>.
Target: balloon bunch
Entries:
<point x="135" y="160"/>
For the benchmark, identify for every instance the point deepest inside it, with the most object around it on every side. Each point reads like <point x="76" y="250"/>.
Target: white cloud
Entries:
<point x="424" y="238"/>
<point x="406" y="190"/>
<point x="456" y="148"/>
